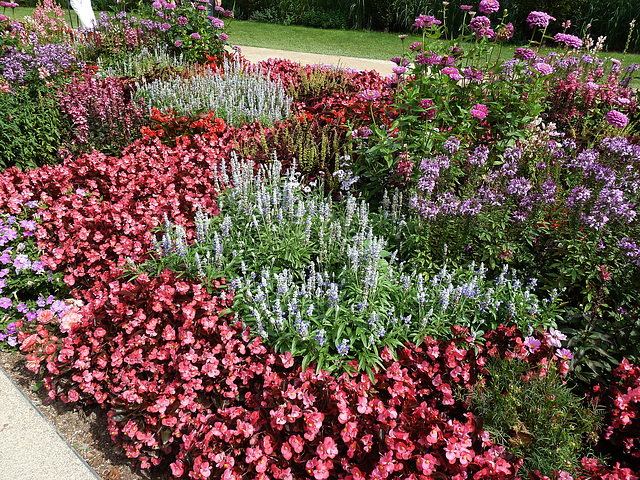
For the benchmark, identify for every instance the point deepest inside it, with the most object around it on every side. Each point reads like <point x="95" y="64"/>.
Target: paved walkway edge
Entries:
<point x="30" y="446"/>
<point x="256" y="54"/>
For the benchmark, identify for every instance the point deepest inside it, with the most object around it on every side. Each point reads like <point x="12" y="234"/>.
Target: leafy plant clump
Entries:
<point x="535" y="415"/>
<point x="311" y="278"/>
<point x="27" y="286"/>
<point x="240" y="95"/>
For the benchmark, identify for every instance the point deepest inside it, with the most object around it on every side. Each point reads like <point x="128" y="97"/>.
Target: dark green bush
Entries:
<point x="30" y="127"/>
<point x="320" y="18"/>
<point x="535" y="415"/>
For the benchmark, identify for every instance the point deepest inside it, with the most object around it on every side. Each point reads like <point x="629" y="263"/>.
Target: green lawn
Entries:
<point x="350" y="43"/>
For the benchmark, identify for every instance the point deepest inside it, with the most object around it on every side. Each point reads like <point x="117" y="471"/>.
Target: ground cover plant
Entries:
<point x="458" y="253"/>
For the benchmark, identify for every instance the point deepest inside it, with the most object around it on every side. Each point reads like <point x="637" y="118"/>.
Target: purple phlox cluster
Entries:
<point x="578" y="197"/>
<point x="586" y="160"/>
<point x="217" y="23"/>
<point x="48" y="59"/>
<point x="452" y="145"/>
<point x="430" y="169"/>
<point x="481" y="25"/>
<point x="631" y="249"/>
<point x="518" y="187"/>
<point x="617" y="119"/>
<point x="611" y="204"/>
<point x="539" y="19"/>
<point x="542" y="68"/>
<point x="548" y="195"/>
<point x="621" y="146"/>
<point x="489" y="6"/>
<point x="568" y="40"/>
<point x="586" y="58"/>
<point x="426" y="21"/>
<point x="524" y="53"/>
<point x="480" y="156"/>
<point x="452" y="73"/>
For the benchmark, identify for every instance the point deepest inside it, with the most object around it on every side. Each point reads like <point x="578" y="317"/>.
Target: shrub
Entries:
<point x="30" y="127"/>
<point x="101" y="113"/>
<point x="536" y="416"/>
<point x="100" y="210"/>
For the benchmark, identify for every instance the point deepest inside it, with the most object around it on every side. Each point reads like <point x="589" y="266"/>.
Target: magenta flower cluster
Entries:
<point x="489" y="6"/>
<point x="539" y="19"/>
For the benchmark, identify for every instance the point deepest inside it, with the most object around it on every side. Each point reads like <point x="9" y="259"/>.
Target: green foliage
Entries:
<point x="241" y="95"/>
<point x="320" y="18"/>
<point x="316" y="279"/>
<point x="30" y="127"/>
<point x="598" y="344"/>
<point x="535" y="415"/>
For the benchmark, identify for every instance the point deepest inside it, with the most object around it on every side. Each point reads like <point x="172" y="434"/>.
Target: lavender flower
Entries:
<point x="343" y="348"/>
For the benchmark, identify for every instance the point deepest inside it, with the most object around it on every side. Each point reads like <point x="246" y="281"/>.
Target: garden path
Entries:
<point x="255" y="54"/>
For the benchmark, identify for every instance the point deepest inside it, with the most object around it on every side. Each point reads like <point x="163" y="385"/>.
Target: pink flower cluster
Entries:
<point x="174" y="375"/>
<point x="539" y="19"/>
<point x="622" y="404"/>
<point x="489" y="6"/>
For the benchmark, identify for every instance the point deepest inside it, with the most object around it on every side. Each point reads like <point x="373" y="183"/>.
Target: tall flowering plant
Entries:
<point x="187" y="29"/>
<point x="447" y="92"/>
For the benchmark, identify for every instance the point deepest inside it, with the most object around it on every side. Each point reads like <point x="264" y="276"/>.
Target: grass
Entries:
<point x="349" y="43"/>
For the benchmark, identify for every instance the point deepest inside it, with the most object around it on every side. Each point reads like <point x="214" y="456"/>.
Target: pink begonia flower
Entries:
<point x="70" y="320"/>
<point x="479" y="111"/>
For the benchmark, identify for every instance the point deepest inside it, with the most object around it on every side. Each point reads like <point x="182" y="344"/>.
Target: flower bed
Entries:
<point x="355" y="318"/>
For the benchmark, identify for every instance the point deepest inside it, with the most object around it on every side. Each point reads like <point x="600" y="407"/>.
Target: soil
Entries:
<point x="83" y="427"/>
